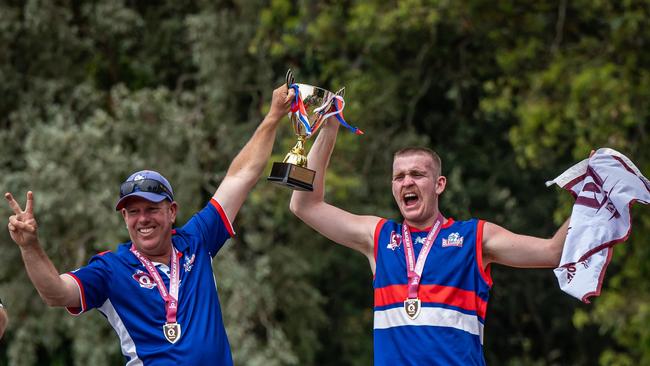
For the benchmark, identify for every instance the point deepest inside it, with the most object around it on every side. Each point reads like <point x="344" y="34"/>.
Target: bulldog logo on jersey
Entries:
<point x="453" y="240"/>
<point x="189" y="263"/>
<point x="395" y="241"/>
<point x="143" y="279"/>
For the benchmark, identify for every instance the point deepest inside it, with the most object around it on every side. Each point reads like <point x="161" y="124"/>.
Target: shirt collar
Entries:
<point x="124" y="250"/>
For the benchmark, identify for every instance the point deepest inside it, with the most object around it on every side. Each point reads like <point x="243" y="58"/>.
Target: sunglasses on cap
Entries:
<point x="145" y="185"/>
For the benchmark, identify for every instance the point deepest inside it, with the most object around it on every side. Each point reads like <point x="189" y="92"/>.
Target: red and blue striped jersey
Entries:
<point x="454" y="292"/>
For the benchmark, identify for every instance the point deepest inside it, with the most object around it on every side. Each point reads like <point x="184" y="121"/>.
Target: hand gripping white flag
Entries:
<point x="605" y="186"/>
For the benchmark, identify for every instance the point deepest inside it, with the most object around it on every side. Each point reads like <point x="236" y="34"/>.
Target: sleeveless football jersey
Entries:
<point x="454" y="291"/>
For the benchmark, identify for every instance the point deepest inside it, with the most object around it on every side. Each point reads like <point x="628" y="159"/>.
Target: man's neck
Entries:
<point x="159" y="257"/>
<point x="425" y="224"/>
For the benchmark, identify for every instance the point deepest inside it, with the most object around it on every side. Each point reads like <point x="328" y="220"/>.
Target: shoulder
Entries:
<point x="122" y="252"/>
<point x="469" y="225"/>
<point x="468" y="222"/>
<point x="491" y="230"/>
<point x="386" y="225"/>
<point x="212" y="213"/>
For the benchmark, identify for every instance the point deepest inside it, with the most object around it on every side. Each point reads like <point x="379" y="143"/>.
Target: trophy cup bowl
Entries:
<point x="292" y="172"/>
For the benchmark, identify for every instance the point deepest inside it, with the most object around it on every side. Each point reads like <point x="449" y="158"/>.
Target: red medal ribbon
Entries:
<point x="414" y="269"/>
<point x="171" y="297"/>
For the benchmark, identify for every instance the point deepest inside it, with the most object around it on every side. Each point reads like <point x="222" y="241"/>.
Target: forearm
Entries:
<point x="318" y="160"/>
<point x="3" y="321"/>
<point x="556" y="243"/>
<point x="246" y="168"/>
<point x="44" y="275"/>
<point x="251" y="160"/>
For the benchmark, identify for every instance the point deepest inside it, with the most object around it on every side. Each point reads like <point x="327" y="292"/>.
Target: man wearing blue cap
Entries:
<point x="157" y="290"/>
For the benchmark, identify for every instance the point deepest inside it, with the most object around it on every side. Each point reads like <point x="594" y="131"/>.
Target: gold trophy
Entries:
<point x="308" y="113"/>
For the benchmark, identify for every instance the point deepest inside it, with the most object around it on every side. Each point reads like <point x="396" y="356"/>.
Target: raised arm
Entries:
<point x="353" y="231"/>
<point x="55" y="289"/>
<point x="4" y="320"/>
<point x="246" y="168"/>
<point x="505" y="247"/>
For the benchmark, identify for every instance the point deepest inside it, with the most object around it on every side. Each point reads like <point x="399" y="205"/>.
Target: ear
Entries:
<point x="123" y="212"/>
<point x="173" y="207"/>
<point x="441" y="183"/>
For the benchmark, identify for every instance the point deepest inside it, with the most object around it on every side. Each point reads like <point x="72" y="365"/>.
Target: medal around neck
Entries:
<point x="172" y="332"/>
<point x="412" y="308"/>
<point x="309" y="110"/>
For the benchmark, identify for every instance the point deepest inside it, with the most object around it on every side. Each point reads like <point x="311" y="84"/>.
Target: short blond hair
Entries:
<point x="437" y="162"/>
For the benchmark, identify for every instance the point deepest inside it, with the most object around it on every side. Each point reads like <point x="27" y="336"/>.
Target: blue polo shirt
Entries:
<point x="118" y="285"/>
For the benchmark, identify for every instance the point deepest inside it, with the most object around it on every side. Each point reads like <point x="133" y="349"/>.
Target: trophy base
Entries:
<point x="292" y="176"/>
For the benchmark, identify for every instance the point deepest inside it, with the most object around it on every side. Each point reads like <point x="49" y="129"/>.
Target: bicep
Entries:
<point x="87" y="287"/>
<point x="345" y="228"/>
<point x="71" y="292"/>
<point x="505" y="247"/>
<point x="231" y="195"/>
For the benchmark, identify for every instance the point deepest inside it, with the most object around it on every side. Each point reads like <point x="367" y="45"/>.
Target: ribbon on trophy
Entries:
<point x="337" y="104"/>
<point x="299" y="110"/>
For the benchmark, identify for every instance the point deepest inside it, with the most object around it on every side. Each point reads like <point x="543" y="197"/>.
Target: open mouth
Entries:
<point x="410" y="199"/>
<point x="145" y="230"/>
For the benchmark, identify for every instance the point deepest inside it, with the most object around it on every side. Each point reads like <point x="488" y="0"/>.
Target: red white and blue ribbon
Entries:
<point x="298" y="108"/>
<point x="337" y="104"/>
<point x="337" y="111"/>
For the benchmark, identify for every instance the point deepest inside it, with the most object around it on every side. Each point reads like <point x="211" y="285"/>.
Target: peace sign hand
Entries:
<point x="22" y="224"/>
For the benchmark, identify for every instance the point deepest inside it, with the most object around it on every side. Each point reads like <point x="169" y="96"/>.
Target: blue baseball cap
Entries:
<point x="147" y="184"/>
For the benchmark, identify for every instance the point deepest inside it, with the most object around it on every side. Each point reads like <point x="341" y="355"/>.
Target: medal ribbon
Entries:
<point x="298" y="108"/>
<point x="414" y="269"/>
<point x="171" y="297"/>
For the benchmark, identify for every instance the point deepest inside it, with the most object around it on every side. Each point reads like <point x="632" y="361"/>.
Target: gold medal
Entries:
<point x="172" y="332"/>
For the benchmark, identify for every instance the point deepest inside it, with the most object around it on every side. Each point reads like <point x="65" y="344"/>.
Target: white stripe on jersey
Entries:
<point x="126" y="342"/>
<point x="429" y="316"/>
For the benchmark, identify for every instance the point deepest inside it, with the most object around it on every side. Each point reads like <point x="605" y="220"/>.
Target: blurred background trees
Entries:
<point x="509" y="93"/>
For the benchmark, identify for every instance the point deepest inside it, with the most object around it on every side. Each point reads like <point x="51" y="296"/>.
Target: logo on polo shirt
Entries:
<point x="189" y="263"/>
<point x="453" y="240"/>
<point x="395" y="241"/>
<point x="420" y="240"/>
<point x="144" y="280"/>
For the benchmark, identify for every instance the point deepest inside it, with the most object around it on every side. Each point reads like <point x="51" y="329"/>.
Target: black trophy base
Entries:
<point x="292" y="176"/>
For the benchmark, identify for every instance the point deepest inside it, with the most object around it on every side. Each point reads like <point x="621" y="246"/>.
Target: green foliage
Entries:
<point x="509" y="93"/>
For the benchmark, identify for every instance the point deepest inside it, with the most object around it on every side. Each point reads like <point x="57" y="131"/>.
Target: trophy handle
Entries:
<point x="289" y="78"/>
<point x="321" y="120"/>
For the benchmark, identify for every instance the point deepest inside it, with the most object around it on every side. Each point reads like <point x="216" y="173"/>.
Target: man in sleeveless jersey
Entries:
<point x="431" y="273"/>
<point x="157" y="290"/>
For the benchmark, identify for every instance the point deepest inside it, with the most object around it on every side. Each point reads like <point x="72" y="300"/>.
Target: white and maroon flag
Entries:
<point x="605" y="186"/>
